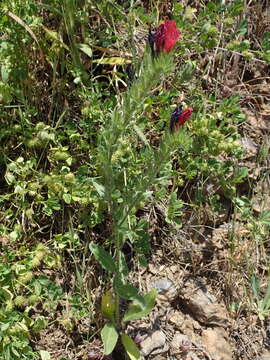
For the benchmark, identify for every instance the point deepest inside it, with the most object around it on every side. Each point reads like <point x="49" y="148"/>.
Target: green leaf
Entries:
<point x="143" y="261"/>
<point x="85" y="49"/>
<point x="141" y="135"/>
<point x="67" y="198"/>
<point x="131" y="348"/>
<point x="127" y="291"/>
<point x="4" y="327"/>
<point x="109" y="336"/>
<point x="44" y="355"/>
<point x="112" y="61"/>
<point x="105" y="259"/>
<point x="266" y="300"/>
<point x="53" y="35"/>
<point x="265" y="217"/>
<point x="136" y="311"/>
<point x="4" y="74"/>
<point x="241" y="174"/>
<point x="123" y="265"/>
<point x="99" y="188"/>
<point x="6" y="293"/>
<point x="255" y="285"/>
<point x="242" y="27"/>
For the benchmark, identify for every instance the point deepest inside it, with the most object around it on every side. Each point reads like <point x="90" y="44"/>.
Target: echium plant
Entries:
<point x="126" y="187"/>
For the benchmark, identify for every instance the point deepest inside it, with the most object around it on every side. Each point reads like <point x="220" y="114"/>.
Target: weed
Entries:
<point x="85" y="148"/>
<point x="261" y="304"/>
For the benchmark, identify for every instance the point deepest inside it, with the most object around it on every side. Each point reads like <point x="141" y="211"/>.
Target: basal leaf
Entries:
<point x="105" y="259"/>
<point x="109" y="337"/>
<point x="131" y="348"/>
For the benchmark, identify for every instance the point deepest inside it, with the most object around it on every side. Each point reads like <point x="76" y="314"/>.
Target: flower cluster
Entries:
<point x="163" y="40"/>
<point x="165" y="37"/>
<point x="179" y="117"/>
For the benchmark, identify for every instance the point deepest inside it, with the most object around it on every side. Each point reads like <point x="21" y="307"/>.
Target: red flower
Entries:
<point x="179" y="117"/>
<point x="166" y="36"/>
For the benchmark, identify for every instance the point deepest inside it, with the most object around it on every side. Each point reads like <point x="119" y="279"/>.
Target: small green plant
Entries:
<point x="261" y="304"/>
<point x="21" y="291"/>
<point x="83" y="151"/>
<point x="125" y="192"/>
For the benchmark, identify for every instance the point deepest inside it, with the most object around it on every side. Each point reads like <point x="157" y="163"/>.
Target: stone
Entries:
<point x="215" y="343"/>
<point x="180" y="344"/>
<point x="163" y="285"/>
<point x="155" y="340"/>
<point x="265" y="355"/>
<point x="202" y="305"/>
<point x="166" y="288"/>
<point x="176" y="318"/>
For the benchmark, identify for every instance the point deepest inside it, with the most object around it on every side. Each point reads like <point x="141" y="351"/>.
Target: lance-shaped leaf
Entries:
<point x="109" y="337"/>
<point x="105" y="259"/>
<point x="136" y="311"/>
<point x="127" y="291"/>
<point x="131" y="348"/>
<point x="123" y="265"/>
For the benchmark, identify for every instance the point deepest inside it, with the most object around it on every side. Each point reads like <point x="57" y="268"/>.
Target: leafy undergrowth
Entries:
<point x="90" y="170"/>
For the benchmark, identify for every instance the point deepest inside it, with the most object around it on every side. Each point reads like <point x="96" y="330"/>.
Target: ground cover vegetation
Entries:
<point x="133" y="147"/>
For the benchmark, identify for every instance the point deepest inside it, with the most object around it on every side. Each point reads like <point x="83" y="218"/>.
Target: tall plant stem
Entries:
<point x="117" y="297"/>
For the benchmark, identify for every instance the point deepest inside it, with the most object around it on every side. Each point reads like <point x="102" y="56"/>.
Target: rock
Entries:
<point x="156" y="340"/>
<point x="202" y="305"/>
<point x="216" y="344"/>
<point x="189" y="327"/>
<point x="176" y="318"/>
<point x="180" y="344"/>
<point x="166" y="288"/>
<point x="159" y="351"/>
<point x="139" y="338"/>
<point x="163" y="285"/>
<point x="265" y="355"/>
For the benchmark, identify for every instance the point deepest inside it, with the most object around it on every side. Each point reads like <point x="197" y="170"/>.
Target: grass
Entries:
<point x="86" y="157"/>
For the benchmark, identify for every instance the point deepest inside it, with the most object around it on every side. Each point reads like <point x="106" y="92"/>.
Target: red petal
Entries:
<point x="172" y="34"/>
<point x="185" y="115"/>
<point x="166" y="36"/>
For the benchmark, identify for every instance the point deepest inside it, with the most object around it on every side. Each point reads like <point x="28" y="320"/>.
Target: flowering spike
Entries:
<point x="179" y="117"/>
<point x="165" y="37"/>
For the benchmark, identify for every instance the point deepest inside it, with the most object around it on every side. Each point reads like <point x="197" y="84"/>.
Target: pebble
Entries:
<point x="154" y="341"/>
<point x="163" y="285"/>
